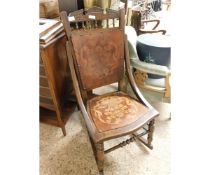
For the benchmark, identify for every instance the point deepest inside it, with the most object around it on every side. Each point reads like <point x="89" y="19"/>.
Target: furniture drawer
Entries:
<point x="43" y="81"/>
<point x="46" y="100"/>
<point x="46" y="103"/>
<point x="44" y="91"/>
<point x="42" y="70"/>
<point x="40" y="61"/>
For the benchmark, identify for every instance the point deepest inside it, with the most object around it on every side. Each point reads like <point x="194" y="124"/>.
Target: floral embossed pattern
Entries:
<point x="110" y="112"/>
<point x="100" y="56"/>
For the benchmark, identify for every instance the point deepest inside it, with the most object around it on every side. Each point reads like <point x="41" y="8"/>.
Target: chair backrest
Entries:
<point x="99" y="55"/>
<point x="98" y="52"/>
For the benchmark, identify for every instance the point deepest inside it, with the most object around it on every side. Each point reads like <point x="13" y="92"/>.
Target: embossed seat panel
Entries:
<point x="114" y="110"/>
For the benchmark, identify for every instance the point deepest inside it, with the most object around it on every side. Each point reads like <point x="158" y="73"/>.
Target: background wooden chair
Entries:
<point x="96" y="58"/>
<point x="139" y="24"/>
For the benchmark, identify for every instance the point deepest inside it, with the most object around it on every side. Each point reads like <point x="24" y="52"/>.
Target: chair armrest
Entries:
<point x="143" y="66"/>
<point x="153" y="20"/>
<point x="142" y="31"/>
<point x="150" y="68"/>
<point x="135" y="61"/>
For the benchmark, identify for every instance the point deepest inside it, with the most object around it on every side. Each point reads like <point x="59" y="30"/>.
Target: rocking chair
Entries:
<point x="97" y="56"/>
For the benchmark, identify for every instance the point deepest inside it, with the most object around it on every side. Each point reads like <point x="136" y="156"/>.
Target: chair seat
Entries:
<point x="114" y="110"/>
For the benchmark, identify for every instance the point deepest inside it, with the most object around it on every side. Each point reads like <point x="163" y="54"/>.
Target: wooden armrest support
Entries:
<point x="153" y="20"/>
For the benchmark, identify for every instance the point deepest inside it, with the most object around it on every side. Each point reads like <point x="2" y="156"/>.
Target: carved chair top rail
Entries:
<point x="77" y="12"/>
<point x="88" y="19"/>
<point x="93" y="19"/>
<point x="93" y="16"/>
<point x="99" y="14"/>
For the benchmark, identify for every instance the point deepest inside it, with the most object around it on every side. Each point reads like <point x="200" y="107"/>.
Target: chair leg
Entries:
<point x="93" y="146"/>
<point x="60" y="122"/>
<point x="150" y="132"/>
<point x="63" y="130"/>
<point x="100" y="156"/>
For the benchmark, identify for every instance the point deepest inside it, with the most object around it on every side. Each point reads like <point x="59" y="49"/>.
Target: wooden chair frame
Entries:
<point x="137" y="23"/>
<point x="97" y="138"/>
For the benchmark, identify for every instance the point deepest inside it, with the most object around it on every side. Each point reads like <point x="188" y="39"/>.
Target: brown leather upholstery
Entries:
<point x="114" y="110"/>
<point x="99" y="56"/>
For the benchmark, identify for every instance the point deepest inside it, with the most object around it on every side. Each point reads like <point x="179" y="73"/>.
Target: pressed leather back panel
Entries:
<point x="99" y="56"/>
